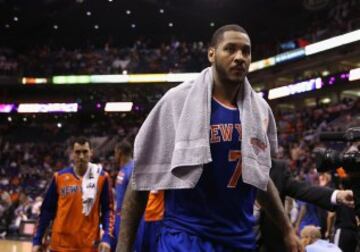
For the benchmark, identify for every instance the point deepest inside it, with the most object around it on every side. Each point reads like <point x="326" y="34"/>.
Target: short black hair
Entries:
<point x="80" y="140"/>
<point x="125" y="148"/>
<point x="218" y="34"/>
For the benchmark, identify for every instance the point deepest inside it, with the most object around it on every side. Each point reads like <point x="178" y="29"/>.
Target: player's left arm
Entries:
<point x="107" y="215"/>
<point x="271" y="203"/>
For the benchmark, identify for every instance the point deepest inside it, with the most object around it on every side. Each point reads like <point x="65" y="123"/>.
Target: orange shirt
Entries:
<point x="155" y="206"/>
<point x="71" y="229"/>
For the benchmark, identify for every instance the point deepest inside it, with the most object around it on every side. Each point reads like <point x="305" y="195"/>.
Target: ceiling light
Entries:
<point x="133" y="26"/>
<point x="88" y="13"/>
<point x="161" y="11"/>
<point x="128" y="12"/>
<point x="96" y="27"/>
<point x="16" y="19"/>
<point x="171" y="24"/>
<point x="212" y="24"/>
<point x="55" y="27"/>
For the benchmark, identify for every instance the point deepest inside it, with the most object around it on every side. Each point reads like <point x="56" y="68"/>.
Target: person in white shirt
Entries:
<point x="310" y="236"/>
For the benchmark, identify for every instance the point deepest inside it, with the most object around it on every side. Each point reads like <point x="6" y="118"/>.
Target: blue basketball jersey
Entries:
<point x="220" y="207"/>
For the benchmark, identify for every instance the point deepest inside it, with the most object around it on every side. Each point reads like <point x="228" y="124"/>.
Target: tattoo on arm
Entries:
<point x="132" y="211"/>
<point x="271" y="203"/>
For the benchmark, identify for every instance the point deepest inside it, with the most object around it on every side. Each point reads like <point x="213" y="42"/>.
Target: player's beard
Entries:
<point x="223" y="75"/>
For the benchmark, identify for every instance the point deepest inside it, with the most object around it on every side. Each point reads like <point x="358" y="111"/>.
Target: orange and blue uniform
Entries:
<point x="71" y="229"/>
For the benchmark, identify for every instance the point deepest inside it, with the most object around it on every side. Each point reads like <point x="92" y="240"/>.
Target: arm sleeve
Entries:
<point x="317" y="195"/>
<point x="121" y="185"/>
<point x="107" y="211"/>
<point x="47" y="212"/>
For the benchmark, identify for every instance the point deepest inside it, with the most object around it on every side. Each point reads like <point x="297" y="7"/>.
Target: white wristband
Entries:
<point x="333" y="197"/>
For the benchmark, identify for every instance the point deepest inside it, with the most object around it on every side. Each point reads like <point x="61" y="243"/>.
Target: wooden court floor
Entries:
<point x="15" y="246"/>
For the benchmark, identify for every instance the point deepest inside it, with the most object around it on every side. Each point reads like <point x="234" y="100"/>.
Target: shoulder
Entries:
<point x="262" y="101"/>
<point x="64" y="171"/>
<point x="179" y="92"/>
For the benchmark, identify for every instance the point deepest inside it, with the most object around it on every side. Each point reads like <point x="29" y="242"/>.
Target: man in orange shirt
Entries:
<point x="78" y="200"/>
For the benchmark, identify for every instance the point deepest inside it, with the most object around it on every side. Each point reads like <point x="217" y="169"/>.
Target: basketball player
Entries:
<point x="148" y="231"/>
<point x="215" y="214"/>
<point x="72" y="228"/>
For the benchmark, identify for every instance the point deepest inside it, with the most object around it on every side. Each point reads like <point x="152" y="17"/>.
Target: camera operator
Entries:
<point x="328" y="159"/>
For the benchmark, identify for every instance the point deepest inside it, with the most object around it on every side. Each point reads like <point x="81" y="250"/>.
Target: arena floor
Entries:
<point x="15" y="246"/>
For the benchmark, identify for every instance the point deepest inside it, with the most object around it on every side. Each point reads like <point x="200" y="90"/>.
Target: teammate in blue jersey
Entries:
<point x="148" y="230"/>
<point x="217" y="214"/>
<point x="123" y="158"/>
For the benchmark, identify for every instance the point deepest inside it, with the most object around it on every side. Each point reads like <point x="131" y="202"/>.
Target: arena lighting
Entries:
<point x="114" y="78"/>
<point x="47" y="107"/>
<point x="314" y="48"/>
<point x="142" y="78"/>
<point x="293" y="54"/>
<point x="297" y="88"/>
<point x="257" y="65"/>
<point x="6" y="108"/>
<point x="333" y="42"/>
<point x="31" y="81"/>
<point x="71" y="79"/>
<point x="180" y="77"/>
<point x="118" y="106"/>
<point x="354" y="74"/>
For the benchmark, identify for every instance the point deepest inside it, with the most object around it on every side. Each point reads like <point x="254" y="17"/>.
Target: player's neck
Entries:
<point x="225" y="93"/>
<point x="224" y="90"/>
<point x="80" y="171"/>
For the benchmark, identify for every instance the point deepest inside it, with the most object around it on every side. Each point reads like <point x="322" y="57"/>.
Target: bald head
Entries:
<point x="310" y="234"/>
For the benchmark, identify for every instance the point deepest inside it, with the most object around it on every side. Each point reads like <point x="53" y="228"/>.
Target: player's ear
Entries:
<point x="211" y="54"/>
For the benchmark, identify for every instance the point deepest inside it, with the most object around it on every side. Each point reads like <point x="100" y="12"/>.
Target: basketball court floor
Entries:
<point x="15" y="246"/>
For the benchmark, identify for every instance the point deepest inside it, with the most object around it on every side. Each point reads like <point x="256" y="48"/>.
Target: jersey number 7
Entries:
<point x="233" y="156"/>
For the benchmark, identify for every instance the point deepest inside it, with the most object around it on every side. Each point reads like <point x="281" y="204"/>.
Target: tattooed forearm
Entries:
<point x="131" y="212"/>
<point x="271" y="203"/>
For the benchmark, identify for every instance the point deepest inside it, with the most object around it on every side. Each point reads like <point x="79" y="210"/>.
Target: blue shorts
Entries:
<point x="148" y="236"/>
<point x="139" y="236"/>
<point x="178" y="241"/>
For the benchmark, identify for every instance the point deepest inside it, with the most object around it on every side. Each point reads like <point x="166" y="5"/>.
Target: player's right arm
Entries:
<point x="47" y="213"/>
<point x="133" y="208"/>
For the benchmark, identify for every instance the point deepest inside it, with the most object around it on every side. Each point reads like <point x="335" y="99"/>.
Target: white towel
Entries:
<point x="173" y="143"/>
<point x="89" y="187"/>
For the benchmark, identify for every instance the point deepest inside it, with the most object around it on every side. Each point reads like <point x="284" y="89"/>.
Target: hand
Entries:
<point x="292" y="242"/>
<point x="104" y="247"/>
<point x="345" y="197"/>
<point x="36" y="248"/>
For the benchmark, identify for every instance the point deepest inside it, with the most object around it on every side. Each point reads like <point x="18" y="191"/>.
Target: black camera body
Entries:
<point x="329" y="159"/>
